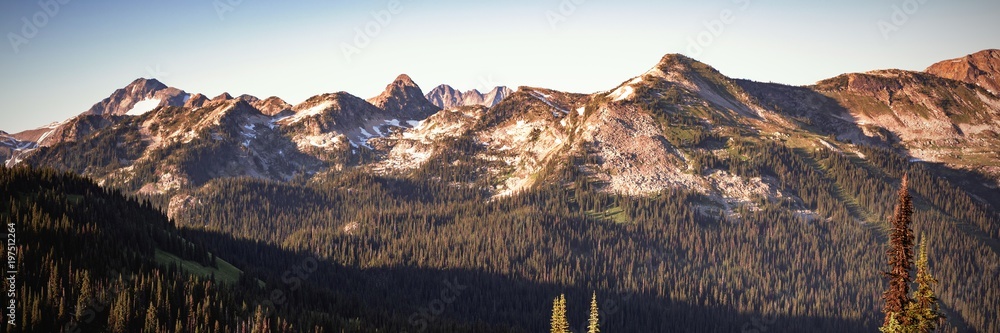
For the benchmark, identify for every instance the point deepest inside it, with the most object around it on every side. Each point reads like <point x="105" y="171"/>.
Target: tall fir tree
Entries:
<point x="594" y="320"/>
<point x="554" y="321"/>
<point x="900" y="255"/>
<point x="559" y="322"/>
<point x="924" y="311"/>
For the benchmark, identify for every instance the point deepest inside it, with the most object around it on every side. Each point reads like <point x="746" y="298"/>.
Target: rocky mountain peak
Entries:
<point x="404" y="98"/>
<point x="272" y="105"/>
<point x="249" y="98"/>
<point x="404" y="80"/>
<point x="196" y="101"/>
<point x="675" y="62"/>
<point x="222" y="97"/>
<point x="981" y="68"/>
<point x="123" y="100"/>
<point x="446" y="97"/>
<point x="143" y="84"/>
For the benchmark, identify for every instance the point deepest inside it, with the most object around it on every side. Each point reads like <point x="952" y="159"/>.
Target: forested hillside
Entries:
<point x="89" y="259"/>
<point x="666" y="260"/>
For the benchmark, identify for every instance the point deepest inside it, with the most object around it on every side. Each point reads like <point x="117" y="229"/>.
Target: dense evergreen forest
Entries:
<point x="353" y="251"/>
<point x="664" y="261"/>
<point x="92" y="260"/>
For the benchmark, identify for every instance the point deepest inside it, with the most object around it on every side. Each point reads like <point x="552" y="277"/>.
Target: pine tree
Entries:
<point x="559" y="322"/>
<point x="924" y="310"/>
<point x="892" y="325"/>
<point x="555" y="315"/>
<point x="261" y="322"/>
<point x="594" y="325"/>
<point x="121" y="312"/>
<point x="85" y="295"/>
<point x="152" y="321"/>
<point x="900" y="254"/>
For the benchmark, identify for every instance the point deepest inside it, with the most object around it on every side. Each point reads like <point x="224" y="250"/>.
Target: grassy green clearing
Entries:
<point x="226" y="273"/>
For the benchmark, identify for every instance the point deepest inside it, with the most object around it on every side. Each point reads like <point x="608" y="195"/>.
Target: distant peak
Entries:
<point x="249" y="98"/>
<point x="675" y="58"/>
<point x="403" y="97"/>
<point x="404" y="80"/>
<point x="223" y="97"/>
<point x="981" y="68"/>
<point x="153" y="84"/>
<point x="995" y="53"/>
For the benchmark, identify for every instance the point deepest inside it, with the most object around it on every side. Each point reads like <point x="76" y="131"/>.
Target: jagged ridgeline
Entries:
<point x="690" y="200"/>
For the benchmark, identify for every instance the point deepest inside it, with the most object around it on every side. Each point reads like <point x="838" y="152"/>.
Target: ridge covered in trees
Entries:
<point x="381" y="250"/>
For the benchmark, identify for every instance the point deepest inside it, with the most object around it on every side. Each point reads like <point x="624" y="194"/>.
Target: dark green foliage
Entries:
<point x="86" y="264"/>
<point x="677" y="263"/>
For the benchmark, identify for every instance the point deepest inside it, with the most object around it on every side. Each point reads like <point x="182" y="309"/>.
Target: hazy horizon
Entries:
<point x="71" y="55"/>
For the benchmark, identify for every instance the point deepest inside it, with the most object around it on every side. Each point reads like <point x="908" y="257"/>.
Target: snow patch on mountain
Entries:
<point x="315" y="110"/>
<point x="622" y="93"/>
<point x="143" y="106"/>
<point x="545" y="98"/>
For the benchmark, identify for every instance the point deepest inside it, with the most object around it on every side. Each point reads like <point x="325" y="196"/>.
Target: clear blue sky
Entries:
<point x="294" y="49"/>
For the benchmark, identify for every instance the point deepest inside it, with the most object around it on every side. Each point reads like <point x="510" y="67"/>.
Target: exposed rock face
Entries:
<point x="404" y="99"/>
<point x="446" y="97"/>
<point x="11" y="148"/>
<point x="222" y="97"/>
<point x="123" y="100"/>
<point x="332" y="112"/>
<point x="196" y="101"/>
<point x="642" y="136"/>
<point x="980" y="68"/>
<point x="935" y="119"/>
<point x="271" y="106"/>
<point x="496" y="95"/>
<point x="409" y="149"/>
<point x="75" y="129"/>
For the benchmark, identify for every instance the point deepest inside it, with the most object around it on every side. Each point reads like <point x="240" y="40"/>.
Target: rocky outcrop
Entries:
<point x="272" y="106"/>
<point x="403" y="99"/>
<point x="980" y="68"/>
<point x="446" y="97"/>
<point x="123" y="100"/>
<point x="196" y="101"/>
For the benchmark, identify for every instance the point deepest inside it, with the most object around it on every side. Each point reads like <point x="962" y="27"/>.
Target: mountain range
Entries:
<point x="707" y="168"/>
<point x="445" y="97"/>
<point x="945" y="115"/>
